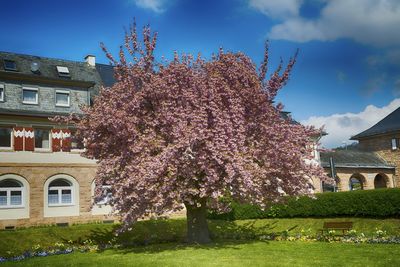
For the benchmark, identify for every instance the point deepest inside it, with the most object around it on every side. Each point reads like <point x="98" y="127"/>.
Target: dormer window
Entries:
<point x="63" y="71"/>
<point x="10" y="65"/>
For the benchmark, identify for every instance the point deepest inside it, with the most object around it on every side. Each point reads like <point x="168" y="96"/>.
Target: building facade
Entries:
<point x="43" y="178"/>
<point x="373" y="164"/>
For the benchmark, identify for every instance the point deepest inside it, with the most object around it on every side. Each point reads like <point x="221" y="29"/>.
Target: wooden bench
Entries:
<point x="342" y="226"/>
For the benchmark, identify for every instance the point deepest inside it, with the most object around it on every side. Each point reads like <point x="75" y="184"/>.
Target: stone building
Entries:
<point x="375" y="162"/>
<point x="43" y="178"/>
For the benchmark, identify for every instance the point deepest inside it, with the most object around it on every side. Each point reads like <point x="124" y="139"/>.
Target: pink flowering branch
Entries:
<point x="191" y="131"/>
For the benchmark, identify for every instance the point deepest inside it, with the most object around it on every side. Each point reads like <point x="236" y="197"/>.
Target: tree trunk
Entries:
<point x="197" y="227"/>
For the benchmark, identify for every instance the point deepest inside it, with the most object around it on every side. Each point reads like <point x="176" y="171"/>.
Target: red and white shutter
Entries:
<point x="56" y="136"/>
<point x="18" y="138"/>
<point x="29" y="139"/>
<point x="66" y="140"/>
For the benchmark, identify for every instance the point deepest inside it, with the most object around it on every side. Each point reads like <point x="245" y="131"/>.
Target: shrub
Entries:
<point x="379" y="203"/>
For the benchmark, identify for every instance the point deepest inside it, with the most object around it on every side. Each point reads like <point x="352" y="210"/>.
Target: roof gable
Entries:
<point x="389" y="124"/>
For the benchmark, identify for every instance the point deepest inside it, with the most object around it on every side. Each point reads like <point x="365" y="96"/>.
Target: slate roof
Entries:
<point x="79" y="71"/>
<point x="389" y="124"/>
<point x="106" y="73"/>
<point x="354" y="159"/>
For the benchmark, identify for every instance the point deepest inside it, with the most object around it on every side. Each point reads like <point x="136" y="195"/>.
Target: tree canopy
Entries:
<point x="191" y="130"/>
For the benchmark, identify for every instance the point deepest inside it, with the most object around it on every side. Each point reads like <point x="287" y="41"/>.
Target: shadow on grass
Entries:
<point x="154" y="236"/>
<point x="158" y="248"/>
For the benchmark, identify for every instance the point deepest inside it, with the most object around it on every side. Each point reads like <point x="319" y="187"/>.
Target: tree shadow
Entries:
<point x="153" y="236"/>
<point x="158" y="248"/>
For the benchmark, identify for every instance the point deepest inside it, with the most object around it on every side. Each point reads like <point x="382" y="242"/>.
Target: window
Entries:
<point x="63" y="71"/>
<point x="5" y="137"/>
<point x="42" y="139"/>
<point x="60" y="193"/>
<point x="10" y="65"/>
<point x="62" y="98"/>
<point x="394" y="143"/>
<point x="1" y="92"/>
<point x="11" y="193"/>
<point x="30" y="95"/>
<point x="106" y="195"/>
<point x="76" y="143"/>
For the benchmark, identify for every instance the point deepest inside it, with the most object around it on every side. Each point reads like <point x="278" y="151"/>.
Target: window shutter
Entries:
<point x="66" y="140"/>
<point x="18" y="138"/>
<point x="29" y="139"/>
<point x="56" y="136"/>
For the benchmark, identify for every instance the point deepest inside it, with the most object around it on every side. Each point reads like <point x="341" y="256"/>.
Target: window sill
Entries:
<point x="63" y="106"/>
<point x="60" y="205"/>
<point x="11" y="207"/>
<point x="39" y="150"/>
<point x="101" y="205"/>
<point x="77" y="151"/>
<point x="30" y="103"/>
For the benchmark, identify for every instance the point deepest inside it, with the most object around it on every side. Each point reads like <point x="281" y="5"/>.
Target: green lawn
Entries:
<point x="281" y="253"/>
<point x="172" y="231"/>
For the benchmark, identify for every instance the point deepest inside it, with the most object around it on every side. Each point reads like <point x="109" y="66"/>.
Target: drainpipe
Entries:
<point x="333" y="172"/>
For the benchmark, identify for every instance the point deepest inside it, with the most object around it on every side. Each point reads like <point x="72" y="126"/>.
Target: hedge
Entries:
<point x="378" y="203"/>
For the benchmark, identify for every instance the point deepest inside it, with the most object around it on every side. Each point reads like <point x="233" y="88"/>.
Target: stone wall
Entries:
<point x="382" y="145"/>
<point x="36" y="175"/>
<point x="46" y="101"/>
<point x="367" y="176"/>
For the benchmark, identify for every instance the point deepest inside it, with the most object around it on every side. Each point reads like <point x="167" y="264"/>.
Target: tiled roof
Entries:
<point x="389" y="124"/>
<point x="354" y="159"/>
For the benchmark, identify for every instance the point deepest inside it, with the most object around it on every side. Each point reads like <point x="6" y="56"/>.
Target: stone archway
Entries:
<point x="381" y="181"/>
<point x="357" y="182"/>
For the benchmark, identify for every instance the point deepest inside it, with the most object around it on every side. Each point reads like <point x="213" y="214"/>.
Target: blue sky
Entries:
<point x="348" y="71"/>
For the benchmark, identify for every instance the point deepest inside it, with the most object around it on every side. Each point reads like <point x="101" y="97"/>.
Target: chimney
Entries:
<point x="90" y="60"/>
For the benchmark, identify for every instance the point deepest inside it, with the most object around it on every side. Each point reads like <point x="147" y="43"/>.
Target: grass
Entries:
<point x="231" y="254"/>
<point x="163" y="231"/>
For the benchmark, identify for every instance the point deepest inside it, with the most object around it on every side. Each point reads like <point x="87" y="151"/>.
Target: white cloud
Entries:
<point x="277" y="9"/>
<point x="373" y="22"/>
<point x="340" y="127"/>
<point x="155" y="5"/>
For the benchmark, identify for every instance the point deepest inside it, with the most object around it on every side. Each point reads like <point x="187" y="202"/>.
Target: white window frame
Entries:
<point x="13" y="189"/>
<point x="2" y="92"/>
<point x="63" y="71"/>
<point x="69" y="98"/>
<point x="11" y="138"/>
<point x="25" y="88"/>
<point x="59" y="192"/>
<point x="49" y="149"/>
<point x="105" y="200"/>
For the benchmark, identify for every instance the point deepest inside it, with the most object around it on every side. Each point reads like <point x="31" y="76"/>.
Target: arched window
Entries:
<point x="102" y="203"/>
<point x="61" y="196"/>
<point x="106" y="195"/>
<point x="60" y="192"/>
<point x="11" y="193"/>
<point x="380" y="181"/>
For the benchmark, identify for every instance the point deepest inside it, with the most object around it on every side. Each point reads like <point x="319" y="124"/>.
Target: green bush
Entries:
<point x="377" y="203"/>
